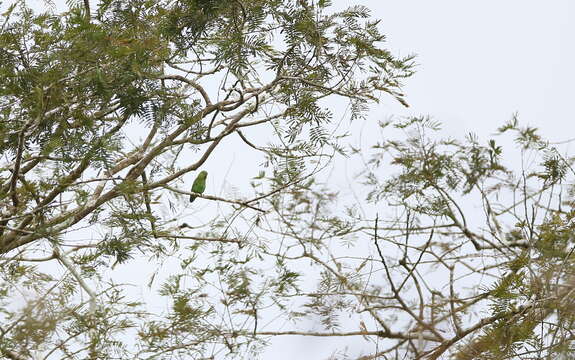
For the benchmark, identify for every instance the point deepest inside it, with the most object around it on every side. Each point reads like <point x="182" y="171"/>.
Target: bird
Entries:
<point x="199" y="184"/>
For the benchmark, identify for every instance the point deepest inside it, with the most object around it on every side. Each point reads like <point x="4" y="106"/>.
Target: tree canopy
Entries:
<point x="105" y="111"/>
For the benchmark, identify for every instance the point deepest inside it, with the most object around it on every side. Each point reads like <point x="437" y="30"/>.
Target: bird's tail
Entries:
<point x="192" y="198"/>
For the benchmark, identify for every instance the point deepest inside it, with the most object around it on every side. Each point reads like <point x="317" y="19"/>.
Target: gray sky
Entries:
<point x="479" y="62"/>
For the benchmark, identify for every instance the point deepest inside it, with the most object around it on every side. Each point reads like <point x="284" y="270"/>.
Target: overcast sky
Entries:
<point x="479" y="62"/>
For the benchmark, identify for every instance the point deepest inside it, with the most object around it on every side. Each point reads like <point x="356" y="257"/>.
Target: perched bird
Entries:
<point x="199" y="184"/>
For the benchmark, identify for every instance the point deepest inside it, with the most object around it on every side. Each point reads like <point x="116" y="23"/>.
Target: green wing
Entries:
<point x="199" y="184"/>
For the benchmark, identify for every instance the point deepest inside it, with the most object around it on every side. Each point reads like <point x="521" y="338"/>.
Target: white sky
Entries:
<point x="479" y="62"/>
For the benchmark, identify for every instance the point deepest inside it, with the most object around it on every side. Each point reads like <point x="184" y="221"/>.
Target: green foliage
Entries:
<point x="77" y="90"/>
<point x="533" y="259"/>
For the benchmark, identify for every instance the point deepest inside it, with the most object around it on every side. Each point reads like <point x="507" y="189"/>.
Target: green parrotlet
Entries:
<point x="199" y="184"/>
